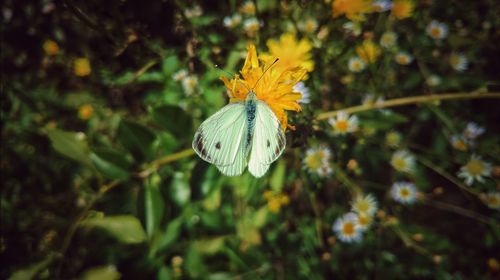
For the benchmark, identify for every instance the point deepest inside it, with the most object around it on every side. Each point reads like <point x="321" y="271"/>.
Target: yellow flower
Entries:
<point x="85" y="111"/>
<point x="402" y="9"/>
<point x="275" y="200"/>
<point x="352" y="9"/>
<point x="248" y="8"/>
<point x="368" y="51"/>
<point x="291" y="53"/>
<point x="81" y="67"/>
<point x="275" y="86"/>
<point x="50" y="47"/>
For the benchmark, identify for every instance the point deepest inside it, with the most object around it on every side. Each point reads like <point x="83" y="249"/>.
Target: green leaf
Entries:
<point x="101" y="273"/>
<point x="154" y="205"/>
<point x="260" y="217"/>
<point x="31" y="271"/>
<point x="209" y="246"/>
<point x="173" y="119"/>
<point x="126" y="229"/>
<point x="179" y="189"/>
<point x="108" y="169"/>
<point x="194" y="263"/>
<point x="171" y="233"/>
<point x="70" y="144"/>
<point x="170" y="65"/>
<point x="136" y="138"/>
<point x="278" y="177"/>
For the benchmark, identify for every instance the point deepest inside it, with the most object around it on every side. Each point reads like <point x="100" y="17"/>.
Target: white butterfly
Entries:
<point x="241" y="134"/>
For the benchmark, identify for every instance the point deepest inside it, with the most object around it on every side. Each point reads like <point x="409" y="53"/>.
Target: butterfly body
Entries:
<point x="241" y="134"/>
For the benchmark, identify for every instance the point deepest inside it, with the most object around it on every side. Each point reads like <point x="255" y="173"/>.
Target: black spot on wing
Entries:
<point x="268" y="143"/>
<point x="201" y="147"/>
<point x="217" y="145"/>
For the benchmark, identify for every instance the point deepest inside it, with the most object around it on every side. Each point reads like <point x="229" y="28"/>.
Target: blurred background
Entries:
<point x="101" y="99"/>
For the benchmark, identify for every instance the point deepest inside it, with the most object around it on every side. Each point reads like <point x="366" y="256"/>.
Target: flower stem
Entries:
<point x="408" y="101"/>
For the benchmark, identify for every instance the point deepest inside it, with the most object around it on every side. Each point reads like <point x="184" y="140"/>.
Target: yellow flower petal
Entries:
<point x="275" y="86"/>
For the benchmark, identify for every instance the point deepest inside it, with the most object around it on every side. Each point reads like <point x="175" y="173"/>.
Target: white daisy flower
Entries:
<point x="347" y="228"/>
<point x="352" y="27"/>
<point x="388" y="39"/>
<point x="382" y="6"/>
<point x="232" y="21"/>
<point x="248" y="8"/>
<point x="193" y="12"/>
<point x="403" y="161"/>
<point x="308" y="25"/>
<point x="370" y="99"/>
<point x="364" y="221"/>
<point x="356" y="64"/>
<point x="433" y="80"/>
<point x="459" y="142"/>
<point x="474" y="170"/>
<point x="403" y="58"/>
<point x="473" y="130"/>
<point x="343" y="123"/>
<point x="190" y="84"/>
<point x="459" y="62"/>
<point x="317" y="161"/>
<point x="393" y="139"/>
<point x="304" y="91"/>
<point x="492" y="200"/>
<point x="251" y="26"/>
<point x="404" y="192"/>
<point x="437" y="30"/>
<point x="364" y="205"/>
<point x="180" y="75"/>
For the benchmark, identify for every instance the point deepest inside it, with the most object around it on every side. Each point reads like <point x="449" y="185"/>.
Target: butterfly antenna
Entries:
<point x="258" y="80"/>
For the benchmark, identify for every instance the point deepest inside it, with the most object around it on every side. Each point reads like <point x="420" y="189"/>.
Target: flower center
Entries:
<point x="362" y="206"/>
<point x="460" y="145"/>
<point x="402" y="59"/>
<point x="435" y="32"/>
<point x="364" y="220"/>
<point x="341" y="125"/>
<point x="348" y="228"/>
<point x="399" y="163"/>
<point x="315" y="160"/>
<point x="493" y="201"/>
<point x="475" y="167"/>
<point x="404" y="193"/>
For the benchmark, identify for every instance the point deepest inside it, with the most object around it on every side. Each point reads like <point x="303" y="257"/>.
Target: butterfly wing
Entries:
<point x="218" y="140"/>
<point x="268" y="141"/>
<point x="238" y="166"/>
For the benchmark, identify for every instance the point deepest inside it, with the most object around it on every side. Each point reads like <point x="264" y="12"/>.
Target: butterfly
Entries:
<point x="241" y="134"/>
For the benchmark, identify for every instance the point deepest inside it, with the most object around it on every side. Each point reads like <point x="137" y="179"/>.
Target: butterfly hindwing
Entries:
<point x="268" y="141"/>
<point x="218" y="140"/>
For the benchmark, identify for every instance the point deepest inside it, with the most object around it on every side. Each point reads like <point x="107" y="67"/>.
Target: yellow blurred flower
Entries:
<point x="291" y="53"/>
<point x="275" y="201"/>
<point x="275" y="86"/>
<point x="85" y="111"/>
<point x="368" y="51"/>
<point x="248" y="8"/>
<point x="352" y="9"/>
<point x="81" y="67"/>
<point x="402" y="9"/>
<point x="50" y="47"/>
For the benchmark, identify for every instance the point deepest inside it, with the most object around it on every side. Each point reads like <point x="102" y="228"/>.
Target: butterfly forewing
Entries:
<point x="268" y="140"/>
<point x="219" y="138"/>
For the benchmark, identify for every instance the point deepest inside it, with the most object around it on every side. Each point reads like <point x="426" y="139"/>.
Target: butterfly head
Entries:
<point x="251" y="96"/>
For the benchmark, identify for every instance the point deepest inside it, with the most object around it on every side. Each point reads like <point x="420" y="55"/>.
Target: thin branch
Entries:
<point x="408" y="101"/>
<point x="445" y="174"/>
<point x="457" y="210"/>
